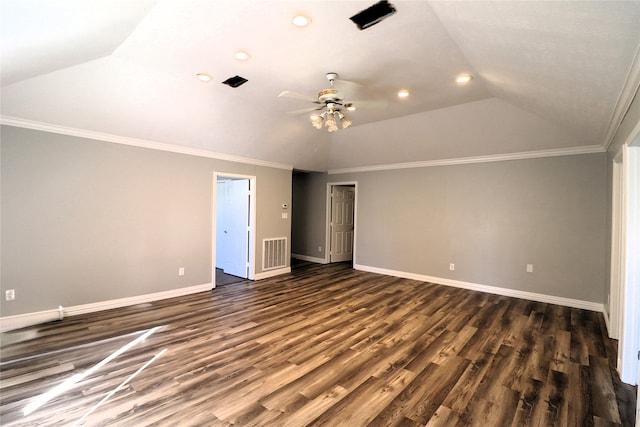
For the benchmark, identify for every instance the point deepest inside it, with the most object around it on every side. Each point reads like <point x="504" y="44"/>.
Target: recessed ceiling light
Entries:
<point x="242" y="55"/>
<point x="403" y="93"/>
<point x="463" y="79"/>
<point x="301" y="21"/>
<point x="203" y="77"/>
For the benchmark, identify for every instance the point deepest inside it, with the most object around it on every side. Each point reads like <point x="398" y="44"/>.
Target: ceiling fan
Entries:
<point x="332" y="104"/>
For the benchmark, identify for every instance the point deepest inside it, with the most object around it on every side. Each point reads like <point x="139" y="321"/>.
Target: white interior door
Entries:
<point x="232" y="226"/>
<point x="342" y="223"/>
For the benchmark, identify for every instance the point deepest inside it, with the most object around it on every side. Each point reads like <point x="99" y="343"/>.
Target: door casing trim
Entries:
<point x="327" y="244"/>
<point x="252" y="223"/>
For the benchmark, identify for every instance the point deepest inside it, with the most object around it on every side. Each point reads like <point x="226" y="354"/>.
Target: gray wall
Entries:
<point x="490" y="219"/>
<point x="308" y="214"/>
<point x="85" y="221"/>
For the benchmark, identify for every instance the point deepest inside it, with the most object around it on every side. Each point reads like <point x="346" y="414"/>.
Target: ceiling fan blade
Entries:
<point x="369" y="105"/>
<point x="306" y="110"/>
<point x="347" y="88"/>
<point x="295" y="95"/>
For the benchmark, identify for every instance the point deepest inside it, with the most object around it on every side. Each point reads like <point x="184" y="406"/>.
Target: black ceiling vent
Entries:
<point x="235" y="81"/>
<point x="373" y="14"/>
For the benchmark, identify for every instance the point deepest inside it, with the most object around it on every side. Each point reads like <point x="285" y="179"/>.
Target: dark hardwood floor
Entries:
<point x="324" y="345"/>
<point x="223" y="278"/>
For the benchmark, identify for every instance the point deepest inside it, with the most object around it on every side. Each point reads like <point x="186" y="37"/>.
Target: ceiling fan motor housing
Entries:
<point x="329" y="95"/>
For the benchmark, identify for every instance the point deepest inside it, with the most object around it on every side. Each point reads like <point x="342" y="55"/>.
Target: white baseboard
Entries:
<point x="140" y="299"/>
<point x="10" y="323"/>
<point x="607" y="319"/>
<point x="271" y="273"/>
<point x="532" y="296"/>
<point x="309" y="258"/>
<point x="22" y="320"/>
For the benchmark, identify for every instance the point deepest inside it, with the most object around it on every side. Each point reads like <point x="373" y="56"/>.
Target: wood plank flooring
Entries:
<point x="322" y="346"/>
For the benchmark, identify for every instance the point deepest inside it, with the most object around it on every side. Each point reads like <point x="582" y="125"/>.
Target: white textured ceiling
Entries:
<point x="547" y="75"/>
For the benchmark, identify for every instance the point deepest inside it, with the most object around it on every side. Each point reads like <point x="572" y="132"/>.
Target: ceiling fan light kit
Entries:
<point x="332" y="118"/>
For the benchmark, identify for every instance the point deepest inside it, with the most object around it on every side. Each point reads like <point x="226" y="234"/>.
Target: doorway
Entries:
<point x="341" y="221"/>
<point x="234" y="224"/>
<point x="625" y="261"/>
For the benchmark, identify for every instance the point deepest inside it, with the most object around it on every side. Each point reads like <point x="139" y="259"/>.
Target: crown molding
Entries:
<point x="626" y="97"/>
<point x="143" y="143"/>
<point x="587" y="149"/>
<point x="154" y="145"/>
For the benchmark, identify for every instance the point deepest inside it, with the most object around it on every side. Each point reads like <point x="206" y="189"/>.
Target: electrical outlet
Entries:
<point x="10" y="294"/>
<point x="181" y="271"/>
<point x="452" y="267"/>
<point x="319" y="248"/>
<point x="529" y="268"/>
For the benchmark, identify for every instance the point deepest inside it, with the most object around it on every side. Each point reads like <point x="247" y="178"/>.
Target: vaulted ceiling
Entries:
<point x="546" y="75"/>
